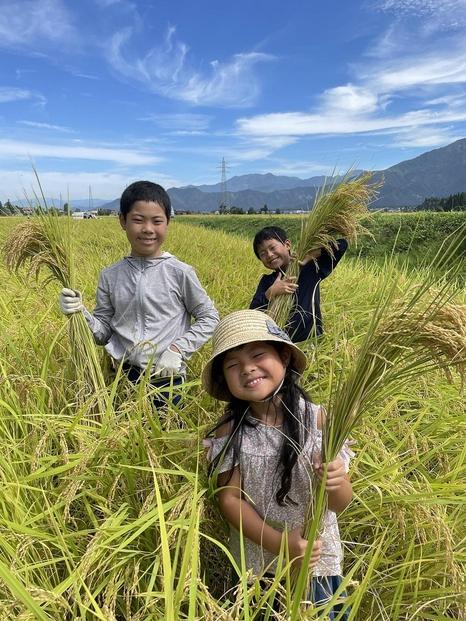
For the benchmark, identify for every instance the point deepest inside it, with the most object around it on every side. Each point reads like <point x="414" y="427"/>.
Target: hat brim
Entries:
<point x="218" y="388"/>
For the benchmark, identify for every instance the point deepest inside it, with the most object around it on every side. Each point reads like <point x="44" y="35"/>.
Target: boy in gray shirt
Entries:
<point x="146" y="301"/>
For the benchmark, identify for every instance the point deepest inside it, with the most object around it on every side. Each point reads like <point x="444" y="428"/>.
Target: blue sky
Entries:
<point x="104" y="92"/>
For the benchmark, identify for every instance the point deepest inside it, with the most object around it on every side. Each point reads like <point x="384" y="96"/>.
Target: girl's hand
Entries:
<point x="297" y="547"/>
<point x="336" y="474"/>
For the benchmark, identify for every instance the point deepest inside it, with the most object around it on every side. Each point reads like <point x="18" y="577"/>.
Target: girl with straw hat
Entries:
<point x="265" y="452"/>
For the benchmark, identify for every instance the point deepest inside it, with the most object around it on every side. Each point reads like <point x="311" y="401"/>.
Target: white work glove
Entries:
<point x="71" y="301"/>
<point x="168" y="364"/>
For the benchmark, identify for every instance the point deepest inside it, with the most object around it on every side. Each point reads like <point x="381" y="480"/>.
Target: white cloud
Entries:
<point x="303" y="124"/>
<point x="301" y="169"/>
<point x="394" y="89"/>
<point x="48" y="126"/>
<point x="436" y="68"/>
<point x="26" y="23"/>
<point x="165" y="70"/>
<point x="11" y="93"/>
<point x="350" y="98"/>
<point x="425" y="137"/>
<point x="25" y="150"/>
<point x="423" y="7"/>
<point x="14" y="184"/>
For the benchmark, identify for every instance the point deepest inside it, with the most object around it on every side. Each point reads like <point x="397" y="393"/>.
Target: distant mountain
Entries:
<point x="193" y="199"/>
<point x="436" y="173"/>
<point x="112" y="205"/>
<point x="262" y="183"/>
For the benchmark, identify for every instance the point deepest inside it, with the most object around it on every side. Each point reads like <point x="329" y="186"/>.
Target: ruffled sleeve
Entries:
<point x="220" y="446"/>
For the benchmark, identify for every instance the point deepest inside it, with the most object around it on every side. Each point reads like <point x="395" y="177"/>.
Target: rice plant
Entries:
<point x="414" y="329"/>
<point x="109" y="518"/>
<point x="337" y="213"/>
<point x="43" y="244"/>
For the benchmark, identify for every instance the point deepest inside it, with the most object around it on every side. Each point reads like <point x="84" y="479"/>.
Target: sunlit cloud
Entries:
<point x="165" y="70"/>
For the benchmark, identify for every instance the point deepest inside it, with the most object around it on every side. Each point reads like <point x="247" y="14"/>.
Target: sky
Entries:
<point x="99" y="93"/>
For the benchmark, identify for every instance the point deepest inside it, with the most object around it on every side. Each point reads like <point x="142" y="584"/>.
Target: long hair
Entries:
<point x="295" y="433"/>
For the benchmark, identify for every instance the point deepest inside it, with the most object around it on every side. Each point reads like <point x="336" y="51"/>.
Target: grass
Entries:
<point x="110" y="517"/>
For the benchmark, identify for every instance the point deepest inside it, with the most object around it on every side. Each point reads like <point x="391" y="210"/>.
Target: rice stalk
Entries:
<point x="408" y="336"/>
<point x="44" y="244"/>
<point x="337" y="213"/>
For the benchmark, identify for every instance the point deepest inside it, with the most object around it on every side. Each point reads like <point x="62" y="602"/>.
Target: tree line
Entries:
<point x="454" y="202"/>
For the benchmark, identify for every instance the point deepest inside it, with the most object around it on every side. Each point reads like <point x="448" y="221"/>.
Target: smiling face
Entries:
<point x="274" y="254"/>
<point x="255" y="370"/>
<point x="146" y="228"/>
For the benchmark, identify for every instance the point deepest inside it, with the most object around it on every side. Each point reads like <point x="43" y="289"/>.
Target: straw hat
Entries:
<point x="239" y="328"/>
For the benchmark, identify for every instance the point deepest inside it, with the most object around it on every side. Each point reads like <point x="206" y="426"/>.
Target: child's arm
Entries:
<point x="240" y="514"/>
<point x="265" y="291"/>
<point x="202" y="310"/>
<point x="327" y="262"/>
<point x="260" y="300"/>
<point x="338" y="485"/>
<point x="71" y="301"/>
<point x="99" y="320"/>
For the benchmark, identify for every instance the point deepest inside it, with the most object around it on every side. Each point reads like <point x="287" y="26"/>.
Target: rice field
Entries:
<point x="105" y="508"/>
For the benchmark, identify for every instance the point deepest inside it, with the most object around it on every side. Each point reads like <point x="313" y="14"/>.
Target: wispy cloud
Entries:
<point x="8" y="94"/>
<point x="441" y="14"/>
<point x="410" y="84"/>
<point x="425" y="137"/>
<point x="48" y="126"/>
<point x="26" y="23"/>
<point x="125" y="157"/>
<point x="165" y="69"/>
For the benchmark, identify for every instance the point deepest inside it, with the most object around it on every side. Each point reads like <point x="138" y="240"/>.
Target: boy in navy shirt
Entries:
<point x="272" y="247"/>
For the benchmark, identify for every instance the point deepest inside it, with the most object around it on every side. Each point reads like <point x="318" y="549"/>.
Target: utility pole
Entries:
<point x="225" y="202"/>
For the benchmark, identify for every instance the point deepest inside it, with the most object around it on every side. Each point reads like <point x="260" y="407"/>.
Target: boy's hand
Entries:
<point x="70" y="301"/>
<point x="336" y="474"/>
<point x="282" y="285"/>
<point x="169" y="363"/>
<point x="297" y="547"/>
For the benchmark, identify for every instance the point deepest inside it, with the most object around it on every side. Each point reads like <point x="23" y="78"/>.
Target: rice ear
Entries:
<point x="43" y="243"/>
<point x="337" y="213"/>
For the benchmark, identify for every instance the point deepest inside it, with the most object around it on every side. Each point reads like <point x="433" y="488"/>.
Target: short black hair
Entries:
<point x="144" y="191"/>
<point x="268" y="232"/>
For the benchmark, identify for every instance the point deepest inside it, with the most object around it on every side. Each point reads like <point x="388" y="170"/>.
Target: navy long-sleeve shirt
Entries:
<point x="306" y="313"/>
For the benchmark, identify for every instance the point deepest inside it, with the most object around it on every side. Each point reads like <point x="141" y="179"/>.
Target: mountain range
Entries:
<point x="439" y="172"/>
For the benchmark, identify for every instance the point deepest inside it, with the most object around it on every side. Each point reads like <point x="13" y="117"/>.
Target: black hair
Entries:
<point x="144" y="191"/>
<point x="268" y="232"/>
<point x="295" y="433"/>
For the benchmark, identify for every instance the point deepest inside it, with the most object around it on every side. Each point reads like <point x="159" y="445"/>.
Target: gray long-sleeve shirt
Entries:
<point x="145" y="305"/>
